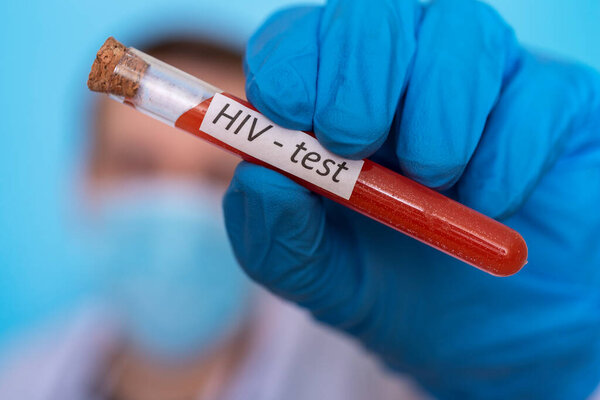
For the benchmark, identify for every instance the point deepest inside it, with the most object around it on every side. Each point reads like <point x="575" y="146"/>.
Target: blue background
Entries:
<point x="47" y="48"/>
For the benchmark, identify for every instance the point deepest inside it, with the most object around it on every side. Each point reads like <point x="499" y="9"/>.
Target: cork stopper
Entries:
<point x="123" y="81"/>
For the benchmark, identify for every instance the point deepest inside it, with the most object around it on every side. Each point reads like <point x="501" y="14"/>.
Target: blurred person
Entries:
<point x="153" y="199"/>
<point x="175" y="317"/>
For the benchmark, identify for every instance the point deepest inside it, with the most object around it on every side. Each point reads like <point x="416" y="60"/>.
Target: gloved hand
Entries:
<point x="443" y="93"/>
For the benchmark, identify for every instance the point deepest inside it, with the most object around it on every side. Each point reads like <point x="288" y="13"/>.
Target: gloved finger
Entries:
<point x="283" y="239"/>
<point x="544" y="104"/>
<point x="464" y="52"/>
<point x="365" y="52"/>
<point x="281" y="67"/>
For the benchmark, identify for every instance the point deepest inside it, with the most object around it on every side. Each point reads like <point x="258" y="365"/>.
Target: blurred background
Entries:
<point x="59" y="145"/>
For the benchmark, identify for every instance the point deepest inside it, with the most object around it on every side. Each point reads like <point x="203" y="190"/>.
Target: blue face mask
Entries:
<point x="168" y="268"/>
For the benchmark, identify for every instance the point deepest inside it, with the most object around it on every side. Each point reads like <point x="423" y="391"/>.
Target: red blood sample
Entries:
<point x="408" y="207"/>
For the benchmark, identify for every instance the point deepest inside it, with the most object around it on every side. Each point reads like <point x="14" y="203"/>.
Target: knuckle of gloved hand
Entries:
<point x="580" y="106"/>
<point x="495" y="33"/>
<point x="585" y="84"/>
<point x="283" y="94"/>
<point x="281" y="66"/>
<point x="437" y="169"/>
<point x="281" y="28"/>
<point x="490" y="199"/>
<point x="346" y="132"/>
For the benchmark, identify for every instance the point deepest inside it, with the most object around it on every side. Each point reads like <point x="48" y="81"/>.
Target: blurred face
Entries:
<point x="163" y="251"/>
<point x="130" y="145"/>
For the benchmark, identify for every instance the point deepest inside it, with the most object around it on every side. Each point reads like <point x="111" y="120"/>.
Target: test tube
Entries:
<point x="184" y="101"/>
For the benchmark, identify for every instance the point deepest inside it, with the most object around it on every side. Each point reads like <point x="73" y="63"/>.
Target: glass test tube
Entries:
<point x="179" y="99"/>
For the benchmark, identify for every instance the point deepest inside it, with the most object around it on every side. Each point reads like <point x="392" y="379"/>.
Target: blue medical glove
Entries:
<point x="444" y="94"/>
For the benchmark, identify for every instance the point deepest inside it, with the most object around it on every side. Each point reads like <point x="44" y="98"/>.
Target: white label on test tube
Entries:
<point x="292" y="151"/>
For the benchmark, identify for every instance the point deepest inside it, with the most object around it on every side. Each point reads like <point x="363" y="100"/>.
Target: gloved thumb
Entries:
<point x="283" y="239"/>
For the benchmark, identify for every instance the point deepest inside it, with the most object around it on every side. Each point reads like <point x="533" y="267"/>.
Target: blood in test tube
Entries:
<point x="184" y="101"/>
<point x="410" y="208"/>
